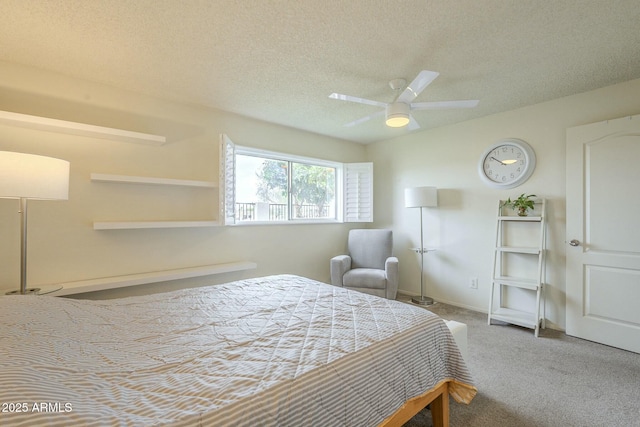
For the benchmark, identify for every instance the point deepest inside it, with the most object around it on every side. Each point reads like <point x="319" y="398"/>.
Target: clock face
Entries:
<point x="507" y="164"/>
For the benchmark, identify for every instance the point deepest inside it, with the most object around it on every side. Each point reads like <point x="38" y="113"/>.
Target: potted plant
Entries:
<point x="522" y="204"/>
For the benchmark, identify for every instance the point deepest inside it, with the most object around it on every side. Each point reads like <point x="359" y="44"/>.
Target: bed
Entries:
<point x="279" y="350"/>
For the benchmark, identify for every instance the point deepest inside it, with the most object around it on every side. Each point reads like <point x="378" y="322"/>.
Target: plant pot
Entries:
<point x="522" y="211"/>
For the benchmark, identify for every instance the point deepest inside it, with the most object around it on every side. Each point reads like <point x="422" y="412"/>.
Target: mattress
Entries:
<point x="279" y="350"/>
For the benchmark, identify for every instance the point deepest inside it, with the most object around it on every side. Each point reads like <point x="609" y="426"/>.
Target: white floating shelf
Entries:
<point x="126" y="179"/>
<point x="73" y="128"/>
<point x="103" y="283"/>
<point x="124" y="225"/>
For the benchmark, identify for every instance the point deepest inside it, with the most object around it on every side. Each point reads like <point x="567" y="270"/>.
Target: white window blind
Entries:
<point x="358" y="192"/>
<point x="227" y="181"/>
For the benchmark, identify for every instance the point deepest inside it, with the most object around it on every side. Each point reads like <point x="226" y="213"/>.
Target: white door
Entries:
<point x="603" y="232"/>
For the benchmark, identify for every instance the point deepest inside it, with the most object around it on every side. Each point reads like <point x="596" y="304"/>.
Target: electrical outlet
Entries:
<point x="473" y="283"/>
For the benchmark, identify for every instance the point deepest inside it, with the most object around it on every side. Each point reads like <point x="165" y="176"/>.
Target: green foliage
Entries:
<point x="272" y="181"/>
<point x="313" y="185"/>
<point x="522" y="204"/>
<point x="310" y="184"/>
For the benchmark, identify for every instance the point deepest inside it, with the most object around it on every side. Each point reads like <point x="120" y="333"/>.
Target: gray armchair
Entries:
<point x="369" y="266"/>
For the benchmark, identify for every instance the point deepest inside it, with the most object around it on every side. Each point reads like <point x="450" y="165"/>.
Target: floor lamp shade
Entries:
<point x="28" y="176"/>
<point x="421" y="197"/>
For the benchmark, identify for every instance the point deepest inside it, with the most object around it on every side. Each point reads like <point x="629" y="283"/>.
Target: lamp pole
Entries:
<point x="423" y="300"/>
<point x="23" y="247"/>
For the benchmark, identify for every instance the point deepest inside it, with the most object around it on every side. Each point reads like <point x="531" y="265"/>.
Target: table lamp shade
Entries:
<point x="31" y="176"/>
<point x="420" y="197"/>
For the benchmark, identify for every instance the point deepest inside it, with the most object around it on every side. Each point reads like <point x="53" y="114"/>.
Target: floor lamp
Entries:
<point x="421" y="197"/>
<point x="28" y="176"/>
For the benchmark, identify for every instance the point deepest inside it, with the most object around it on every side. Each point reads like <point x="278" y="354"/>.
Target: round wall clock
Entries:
<point x="507" y="163"/>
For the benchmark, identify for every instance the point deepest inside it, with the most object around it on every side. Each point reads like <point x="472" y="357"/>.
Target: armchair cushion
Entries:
<point x="365" y="278"/>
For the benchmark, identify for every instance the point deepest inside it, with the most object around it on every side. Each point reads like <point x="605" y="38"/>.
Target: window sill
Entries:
<point x="292" y="222"/>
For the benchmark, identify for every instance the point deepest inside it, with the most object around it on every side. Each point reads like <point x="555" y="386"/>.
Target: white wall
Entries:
<point x="462" y="228"/>
<point x="62" y="243"/>
<point x="64" y="247"/>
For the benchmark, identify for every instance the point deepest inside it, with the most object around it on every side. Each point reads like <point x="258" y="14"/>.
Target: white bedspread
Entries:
<point x="279" y="350"/>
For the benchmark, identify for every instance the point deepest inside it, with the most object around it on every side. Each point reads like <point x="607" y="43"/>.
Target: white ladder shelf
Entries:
<point x="502" y="278"/>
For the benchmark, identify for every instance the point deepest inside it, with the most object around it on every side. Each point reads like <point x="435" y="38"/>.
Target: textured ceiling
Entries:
<point x="278" y="61"/>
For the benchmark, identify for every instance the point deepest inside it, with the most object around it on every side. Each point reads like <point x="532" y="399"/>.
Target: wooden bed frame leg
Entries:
<point x="440" y="410"/>
<point x="437" y="398"/>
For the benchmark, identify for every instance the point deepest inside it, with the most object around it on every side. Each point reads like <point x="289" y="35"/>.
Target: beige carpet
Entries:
<point x="554" y="380"/>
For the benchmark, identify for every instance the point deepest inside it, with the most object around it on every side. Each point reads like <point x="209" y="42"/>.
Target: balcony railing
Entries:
<point x="278" y="211"/>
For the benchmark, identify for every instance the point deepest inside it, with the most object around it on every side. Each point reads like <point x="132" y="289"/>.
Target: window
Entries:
<point x="269" y="189"/>
<point x="260" y="186"/>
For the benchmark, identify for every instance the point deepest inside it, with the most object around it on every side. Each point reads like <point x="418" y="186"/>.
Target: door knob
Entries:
<point x="574" y="242"/>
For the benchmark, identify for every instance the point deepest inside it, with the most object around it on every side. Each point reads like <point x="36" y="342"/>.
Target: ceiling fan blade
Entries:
<point x="350" y="98"/>
<point x="418" y="84"/>
<point x="364" y="119"/>
<point x="438" y="105"/>
<point x="413" y="124"/>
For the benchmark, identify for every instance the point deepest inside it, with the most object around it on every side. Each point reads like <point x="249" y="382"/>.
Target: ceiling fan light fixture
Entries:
<point x="397" y="115"/>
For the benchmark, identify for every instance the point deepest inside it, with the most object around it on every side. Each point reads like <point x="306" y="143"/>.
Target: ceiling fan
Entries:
<point x="398" y="112"/>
